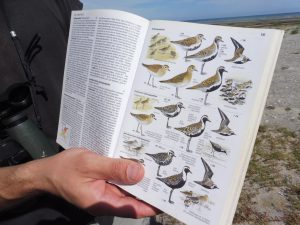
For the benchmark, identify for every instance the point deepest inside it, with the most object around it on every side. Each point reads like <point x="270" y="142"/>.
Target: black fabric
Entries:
<point x="50" y="19"/>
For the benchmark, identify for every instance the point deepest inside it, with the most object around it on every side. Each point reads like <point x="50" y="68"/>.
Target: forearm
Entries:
<point x="17" y="183"/>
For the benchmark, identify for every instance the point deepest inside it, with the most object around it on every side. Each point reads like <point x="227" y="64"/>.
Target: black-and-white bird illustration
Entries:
<point x="223" y="128"/>
<point x="194" y="130"/>
<point x="216" y="147"/>
<point x="162" y="159"/>
<point x="176" y="181"/>
<point x="207" y="182"/>
<point x="171" y="111"/>
<point x="210" y="84"/>
<point x="238" y="56"/>
<point x="207" y="54"/>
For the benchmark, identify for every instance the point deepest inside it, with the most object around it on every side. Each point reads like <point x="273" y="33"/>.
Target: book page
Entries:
<point x="103" y="52"/>
<point x="193" y="115"/>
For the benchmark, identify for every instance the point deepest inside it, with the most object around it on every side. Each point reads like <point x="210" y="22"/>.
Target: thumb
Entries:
<point x="120" y="171"/>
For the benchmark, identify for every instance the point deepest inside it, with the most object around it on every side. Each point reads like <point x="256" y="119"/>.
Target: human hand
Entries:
<point x="80" y="176"/>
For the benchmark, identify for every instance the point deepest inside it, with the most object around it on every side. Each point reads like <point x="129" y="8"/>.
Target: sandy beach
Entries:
<point x="272" y="196"/>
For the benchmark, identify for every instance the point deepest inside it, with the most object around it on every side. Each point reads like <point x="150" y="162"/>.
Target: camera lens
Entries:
<point x="19" y="95"/>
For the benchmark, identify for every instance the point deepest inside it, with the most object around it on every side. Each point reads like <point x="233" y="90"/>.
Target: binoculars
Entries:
<point x="17" y="127"/>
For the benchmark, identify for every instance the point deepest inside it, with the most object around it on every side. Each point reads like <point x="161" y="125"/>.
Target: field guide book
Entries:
<point x="183" y="99"/>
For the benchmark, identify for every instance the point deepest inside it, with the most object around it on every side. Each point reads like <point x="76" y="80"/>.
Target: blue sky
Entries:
<point x="196" y="9"/>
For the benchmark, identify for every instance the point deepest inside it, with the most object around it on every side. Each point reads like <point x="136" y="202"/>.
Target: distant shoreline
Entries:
<point x="247" y="19"/>
<point x="281" y="21"/>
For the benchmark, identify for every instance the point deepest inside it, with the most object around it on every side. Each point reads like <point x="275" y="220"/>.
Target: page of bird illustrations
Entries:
<point x="193" y="114"/>
<point x="102" y="57"/>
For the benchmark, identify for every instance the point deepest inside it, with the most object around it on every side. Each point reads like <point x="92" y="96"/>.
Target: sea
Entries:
<point x="280" y="16"/>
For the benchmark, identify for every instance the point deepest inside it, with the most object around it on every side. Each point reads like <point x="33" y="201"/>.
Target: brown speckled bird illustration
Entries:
<point x="181" y="80"/>
<point x="191" y="43"/>
<point x="171" y="111"/>
<point x="194" y="130"/>
<point x="162" y="159"/>
<point x="143" y="119"/>
<point x="176" y="181"/>
<point x="156" y="70"/>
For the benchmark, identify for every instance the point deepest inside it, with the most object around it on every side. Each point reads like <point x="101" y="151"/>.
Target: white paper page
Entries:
<point x="103" y="52"/>
<point x="241" y="89"/>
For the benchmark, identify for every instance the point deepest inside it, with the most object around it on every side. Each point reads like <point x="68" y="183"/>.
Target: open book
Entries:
<point x="184" y="99"/>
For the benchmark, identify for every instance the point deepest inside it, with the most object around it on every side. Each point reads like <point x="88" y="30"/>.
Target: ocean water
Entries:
<point x="248" y="18"/>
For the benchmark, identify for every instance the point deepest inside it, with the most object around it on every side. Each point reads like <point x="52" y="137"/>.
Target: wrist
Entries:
<point x="17" y="183"/>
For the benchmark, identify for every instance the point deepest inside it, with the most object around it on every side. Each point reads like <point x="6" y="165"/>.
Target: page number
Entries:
<point x="263" y="34"/>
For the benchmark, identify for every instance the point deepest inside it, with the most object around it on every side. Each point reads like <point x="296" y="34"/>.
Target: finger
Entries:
<point x="119" y="171"/>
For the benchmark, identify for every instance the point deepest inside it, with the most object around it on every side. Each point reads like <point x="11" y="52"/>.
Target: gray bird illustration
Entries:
<point x="207" y="181"/>
<point x="131" y="143"/>
<point x="224" y="129"/>
<point x="162" y="159"/>
<point x="194" y="130"/>
<point x="171" y="111"/>
<point x="238" y="57"/>
<point x="176" y="181"/>
<point x="216" y="147"/>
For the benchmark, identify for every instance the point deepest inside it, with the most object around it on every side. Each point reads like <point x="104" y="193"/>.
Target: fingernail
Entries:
<point x="134" y="172"/>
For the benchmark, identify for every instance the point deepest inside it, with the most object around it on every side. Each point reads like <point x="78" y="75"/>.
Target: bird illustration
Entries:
<point x="210" y="84"/>
<point x="138" y="102"/>
<point x="173" y="54"/>
<point x="176" y="181"/>
<point x="162" y="159"/>
<point x="244" y="85"/>
<point x="224" y="129"/>
<point x="164" y="49"/>
<point x="141" y="161"/>
<point x="206" y="181"/>
<point x="187" y="193"/>
<point x="191" y="43"/>
<point x="171" y="111"/>
<point x="145" y="101"/>
<point x="238" y="56"/>
<point x="64" y="132"/>
<point x="154" y="37"/>
<point x="198" y="198"/>
<point x="194" y="130"/>
<point x="207" y="54"/>
<point x="138" y="148"/>
<point x="143" y="119"/>
<point x="131" y="143"/>
<point x="216" y="147"/>
<point x="181" y="80"/>
<point x="153" y="52"/>
<point x="156" y="70"/>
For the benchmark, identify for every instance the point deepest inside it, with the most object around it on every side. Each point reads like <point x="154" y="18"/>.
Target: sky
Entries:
<point x="196" y="9"/>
